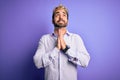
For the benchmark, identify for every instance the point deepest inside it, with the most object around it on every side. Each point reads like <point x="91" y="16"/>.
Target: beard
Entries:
<point x="58" y="24"/>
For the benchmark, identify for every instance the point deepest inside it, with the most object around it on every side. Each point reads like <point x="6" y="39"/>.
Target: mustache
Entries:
<point x="60" y="20"/>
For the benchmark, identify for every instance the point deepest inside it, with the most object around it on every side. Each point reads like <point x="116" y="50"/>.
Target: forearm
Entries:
<point x="43" y="59"/>
<point x="79" y="58"/>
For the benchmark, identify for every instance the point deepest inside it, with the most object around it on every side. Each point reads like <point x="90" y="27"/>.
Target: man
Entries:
<point x="60" y="52"/>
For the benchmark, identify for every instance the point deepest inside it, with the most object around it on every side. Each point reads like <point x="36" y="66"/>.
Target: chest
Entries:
<point x="51" y="42"/>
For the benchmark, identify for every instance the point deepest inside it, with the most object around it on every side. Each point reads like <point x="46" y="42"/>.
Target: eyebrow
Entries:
<point x="59" y="12"/>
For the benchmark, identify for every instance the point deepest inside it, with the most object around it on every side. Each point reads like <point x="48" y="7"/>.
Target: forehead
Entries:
<point x="60" y="11"/>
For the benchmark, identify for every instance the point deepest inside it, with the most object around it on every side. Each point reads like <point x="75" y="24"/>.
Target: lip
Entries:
<point x="60" y="21"/>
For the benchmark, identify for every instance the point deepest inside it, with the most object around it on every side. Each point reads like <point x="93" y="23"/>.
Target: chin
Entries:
<point x="60" y="26"/>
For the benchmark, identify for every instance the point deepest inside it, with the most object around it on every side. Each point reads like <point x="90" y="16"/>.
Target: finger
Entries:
<point x="59" y="45"/>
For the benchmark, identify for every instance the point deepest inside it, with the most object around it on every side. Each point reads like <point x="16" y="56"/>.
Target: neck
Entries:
<point x="57" y="29"/>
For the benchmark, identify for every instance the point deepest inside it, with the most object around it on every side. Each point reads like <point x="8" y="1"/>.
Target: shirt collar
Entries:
<point x="67" y="33"/>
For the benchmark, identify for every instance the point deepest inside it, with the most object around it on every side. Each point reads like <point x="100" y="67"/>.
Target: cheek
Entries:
<point x="55" y="19"/>
<point x="66" y="20"/>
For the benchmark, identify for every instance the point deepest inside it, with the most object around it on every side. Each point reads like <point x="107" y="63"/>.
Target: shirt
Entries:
<point x="59" y="65"/>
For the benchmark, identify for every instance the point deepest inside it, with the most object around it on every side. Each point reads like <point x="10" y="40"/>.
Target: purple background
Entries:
<point x="23" y="22"/>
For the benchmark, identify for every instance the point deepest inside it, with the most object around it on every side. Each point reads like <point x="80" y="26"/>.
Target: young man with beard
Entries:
<point x="60" y="52"/>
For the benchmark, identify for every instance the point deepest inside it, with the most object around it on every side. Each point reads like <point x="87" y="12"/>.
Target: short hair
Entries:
<point x="60" y="7"/>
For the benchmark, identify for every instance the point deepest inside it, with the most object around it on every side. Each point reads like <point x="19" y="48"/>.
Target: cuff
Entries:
<point x="70" y="53"/>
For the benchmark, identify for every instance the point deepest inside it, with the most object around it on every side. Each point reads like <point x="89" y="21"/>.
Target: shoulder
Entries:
<point x="45" y="36"/>
<point x="77" y="38"/>
<point x="75" y="35"/>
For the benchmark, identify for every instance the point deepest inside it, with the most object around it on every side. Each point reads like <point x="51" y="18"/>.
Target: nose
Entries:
<point x="60" y="17"/>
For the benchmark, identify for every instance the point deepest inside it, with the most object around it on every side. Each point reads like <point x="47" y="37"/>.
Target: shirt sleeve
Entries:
<point x="43" y="58"/>
<point x="80" y="55"/>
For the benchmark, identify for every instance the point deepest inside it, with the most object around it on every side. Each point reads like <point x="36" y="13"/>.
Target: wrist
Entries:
<point x="65" y="49"/>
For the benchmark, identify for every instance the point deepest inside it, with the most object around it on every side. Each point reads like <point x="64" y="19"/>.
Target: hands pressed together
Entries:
<point x="61" y="45"/>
